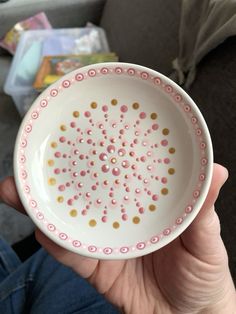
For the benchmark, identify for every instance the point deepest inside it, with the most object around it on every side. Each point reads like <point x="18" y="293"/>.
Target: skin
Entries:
<point x="190" y="275"/>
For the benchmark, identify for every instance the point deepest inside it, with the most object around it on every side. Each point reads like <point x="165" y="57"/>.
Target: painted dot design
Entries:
<point x="118" y="170"/>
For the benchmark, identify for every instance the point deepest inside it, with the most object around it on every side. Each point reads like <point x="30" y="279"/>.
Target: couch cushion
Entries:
<point x="214" y="91"/>
<point x="143" y="32"/>
<point x="5" y="62"/>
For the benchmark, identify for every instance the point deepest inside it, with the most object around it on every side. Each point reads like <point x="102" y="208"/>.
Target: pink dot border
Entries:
<point x="43" y="102"/>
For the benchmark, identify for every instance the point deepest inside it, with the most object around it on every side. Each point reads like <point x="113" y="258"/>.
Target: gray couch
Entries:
<point x="144" y="32"/>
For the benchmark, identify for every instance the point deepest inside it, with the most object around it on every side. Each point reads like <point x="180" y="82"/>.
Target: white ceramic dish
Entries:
<point x="113" y="161"/>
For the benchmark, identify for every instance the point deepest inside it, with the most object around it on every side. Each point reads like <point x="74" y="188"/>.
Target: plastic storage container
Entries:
<point x="32" y="47"/>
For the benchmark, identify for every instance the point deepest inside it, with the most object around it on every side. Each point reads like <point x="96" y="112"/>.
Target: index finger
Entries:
<point x="9" y="195"/>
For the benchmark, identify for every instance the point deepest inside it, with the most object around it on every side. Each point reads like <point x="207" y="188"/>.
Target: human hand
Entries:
<point x="189" y="275"/>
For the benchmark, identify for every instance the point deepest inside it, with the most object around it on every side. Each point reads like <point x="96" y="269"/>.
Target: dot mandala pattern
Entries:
<point x="115" y="154"/>
<point x="130" y="156"/>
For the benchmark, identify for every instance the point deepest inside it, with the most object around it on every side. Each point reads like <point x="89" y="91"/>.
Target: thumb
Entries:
<point x="202" y="238"/>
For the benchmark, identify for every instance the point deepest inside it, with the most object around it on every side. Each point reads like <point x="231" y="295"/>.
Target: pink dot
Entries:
<point x="166" y="160"/>
<point x="57" y="171"/>
<point x="61" y="188"/>
<point x="64" y="156"/>
<point x="155" y="197"/>
<point x="111" y="194"/>
<point x="141" y="210"/>
<point x="103" y="156"/>
<point x="101" y="143"/>
<point x="75" y="174"/>
<point x="73" y="124"/>
<point x="105" y="168"/>
<point x="57" y="154"/>
<point x="126" y="198"/>
<point x="68" y="184"/>
<point x="76" y="197"/>
<point x="149" y="168"/>
<point x="145" y="181"/>
<point x="124" y="217"/>
<point x="82" y="173"/>
<point x="62" y="139"/>
<point x="149" y="192"/>
<point x="142" y="115"/>
<point x="164" y="180"/>
<point x="137" y="191"/>
<point x="105" y="183"/>
<point x="164" y="142"/>
<point x="81" y="157"/>
<point x="104" y="219"/>
<point x="125" y="164"/>
<point x="113" y="202"/>
<point x="121" y="152"/>
<point x="80" y="185"/>
<point x="76" y="152"/>
<point x="111" y="149"/>
<point x="116" y="171"/>
<point x="127" y="189"/>
<point x="124" y="108"/>
<point x="122" y="131"/>
<point x="70" y="202"/>
<point x="99" y="201"/>
<point x="87" y="194"/>
<point x="143" y="158"/>
<point x="89" y="141"/>
<point x="84" y="212"/>
<point x="64" y="170"/>
<point x="155" y="126"/>
<point x="104" y="108"/>
<point x="87" y="114"/>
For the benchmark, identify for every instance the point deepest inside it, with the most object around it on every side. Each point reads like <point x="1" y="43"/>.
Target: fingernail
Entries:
<point x="226" y="173"/>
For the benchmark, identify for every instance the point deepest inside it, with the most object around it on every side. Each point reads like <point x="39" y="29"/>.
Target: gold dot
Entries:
<point x="114" y="102"/>
<point x="93" y="105"/>
<point x="50" y="163"/>
<point x="76" y="114"/>
<point x="51" y="181"/>
<point x="63" y="127"/>
<point x="171" y="171"/>
<point x="54" y="145"/>
<point x="164" y="191"/>
<point x="113" y="160"/>
<point x="73" y="213"/>
<point x="153" y="116"/>
<point x="152" y="208"/>
<point x="92" y="223"/>
<point x="136" y="220"/>
<point x="135" y="106"/>
<point x="165" y="131"/>
<point x="60" y="199"/>
<point x="172" y="150"/>
<point x="116" y="225"/>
